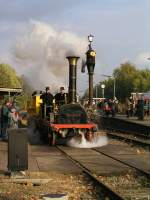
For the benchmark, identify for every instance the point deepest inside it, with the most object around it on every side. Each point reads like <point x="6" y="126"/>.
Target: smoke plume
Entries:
<point x="40" y="54"/>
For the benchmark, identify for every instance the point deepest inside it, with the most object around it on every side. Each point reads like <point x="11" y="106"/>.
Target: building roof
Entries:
<point x="11" y="90"/>
<point x="147" y="94"/>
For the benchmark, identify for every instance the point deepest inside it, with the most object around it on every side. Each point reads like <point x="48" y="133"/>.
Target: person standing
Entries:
<point x="112" y="107"/>
<point x="106" y="108"/>
<point x="47" y="105"/>
<point x="14" y="116"/>
<point x="5" y="119"/>
<point x="61" y="97"/>
<point x="128" y="107"/>
<point x="140" y="109"/>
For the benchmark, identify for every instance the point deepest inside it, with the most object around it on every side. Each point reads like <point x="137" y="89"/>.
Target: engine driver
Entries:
<point x="47" y="99"/>
<point x="61" y="97"/>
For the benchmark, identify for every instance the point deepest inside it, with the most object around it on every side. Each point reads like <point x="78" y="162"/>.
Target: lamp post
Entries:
<point x="96" y="90"/>
<point x="90" y="63"/>
<point x="114" y="85"/>
<point x="103" y="88"/>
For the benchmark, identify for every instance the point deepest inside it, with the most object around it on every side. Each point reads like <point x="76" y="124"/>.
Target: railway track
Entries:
<point x="143" y="171"/>
<point x="133" y="185"/>
<point x="107" y="192"/>
<point x="136" y="139"/>
<point x="138" y="134"/>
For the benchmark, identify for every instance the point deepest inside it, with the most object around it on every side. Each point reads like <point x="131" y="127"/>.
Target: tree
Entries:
<point x="128" y="79"/>
<point x="8" y="77"/>
<point x="24" y="100"/>
<point x="145" y="82"/>
<point x="125" y="77"/>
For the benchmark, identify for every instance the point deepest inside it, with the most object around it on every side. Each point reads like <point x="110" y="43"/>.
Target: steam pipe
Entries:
<point x="72" y="78"/>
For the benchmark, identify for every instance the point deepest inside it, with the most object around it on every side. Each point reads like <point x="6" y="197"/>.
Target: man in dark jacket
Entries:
<point x="140" y="108"/>
<point x="61" y="97"/>
<point x="5" y="119"/>
<point x="47" y="105"/>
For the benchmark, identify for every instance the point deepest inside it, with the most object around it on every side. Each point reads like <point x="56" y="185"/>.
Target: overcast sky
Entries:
<point x="121" y="28"/>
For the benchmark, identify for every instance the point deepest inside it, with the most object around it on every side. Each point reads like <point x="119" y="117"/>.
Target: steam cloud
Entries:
<point x="98" y="141"/>
<point x="40" y="52"/>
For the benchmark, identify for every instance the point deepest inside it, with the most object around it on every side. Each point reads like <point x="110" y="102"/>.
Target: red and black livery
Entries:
<point x="71" y="119"/>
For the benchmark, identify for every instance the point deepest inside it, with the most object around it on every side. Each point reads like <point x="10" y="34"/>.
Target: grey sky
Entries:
<point x="121" y="27"/>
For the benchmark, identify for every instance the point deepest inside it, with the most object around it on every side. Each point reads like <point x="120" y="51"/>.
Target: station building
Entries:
<point x="10" y="92"/>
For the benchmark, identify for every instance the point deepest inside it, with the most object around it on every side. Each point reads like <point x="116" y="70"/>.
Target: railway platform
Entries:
<point x="43" y="158"/>
<point x="124" y="124"/>
<point x="145" y="122"/>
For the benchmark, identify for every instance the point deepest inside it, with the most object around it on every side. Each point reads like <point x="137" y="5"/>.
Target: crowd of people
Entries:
<point x="8" y="117"/>
<point x="132" y="107"/>
<point x="138" y="107"/>
<point x="108" y="107"/>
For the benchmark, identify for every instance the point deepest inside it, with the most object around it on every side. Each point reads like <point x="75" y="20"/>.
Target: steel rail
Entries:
<point x="146" y="173"/>
<point x="129" y="132"/>
<point x="135" y="141"/>
<point x="107" y="191"/>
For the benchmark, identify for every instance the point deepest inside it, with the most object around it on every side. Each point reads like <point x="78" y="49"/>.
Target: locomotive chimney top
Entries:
<point x="72" y="60"/>
<point x="72" y="78"/>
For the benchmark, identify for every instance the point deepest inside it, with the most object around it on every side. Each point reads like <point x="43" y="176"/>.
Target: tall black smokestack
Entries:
<point x="72" y="78"/>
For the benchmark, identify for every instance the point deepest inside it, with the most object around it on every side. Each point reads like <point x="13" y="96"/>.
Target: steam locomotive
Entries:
<point x="70" y="120"/>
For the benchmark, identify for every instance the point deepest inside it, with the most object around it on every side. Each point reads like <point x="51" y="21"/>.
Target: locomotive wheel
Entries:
<point x="89" y="136"/>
